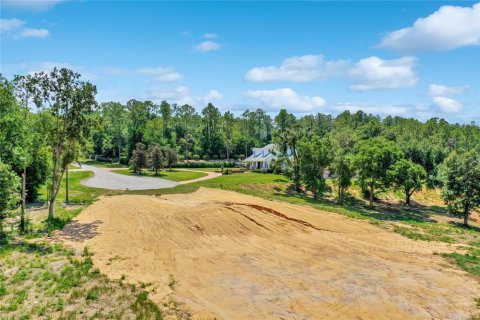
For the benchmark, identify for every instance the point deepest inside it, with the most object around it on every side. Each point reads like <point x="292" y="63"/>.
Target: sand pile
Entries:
<point x="228" y="255"/>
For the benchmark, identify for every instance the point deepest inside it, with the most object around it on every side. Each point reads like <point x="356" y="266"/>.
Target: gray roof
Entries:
<point x="262" y="154"/>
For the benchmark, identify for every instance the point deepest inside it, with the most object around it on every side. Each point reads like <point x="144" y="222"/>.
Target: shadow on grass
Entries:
<point x="38" y="248"/>
<point x="76" y="231"/>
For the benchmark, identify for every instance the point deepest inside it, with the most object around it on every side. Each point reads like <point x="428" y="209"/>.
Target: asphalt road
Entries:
<point x="104" y="179"/>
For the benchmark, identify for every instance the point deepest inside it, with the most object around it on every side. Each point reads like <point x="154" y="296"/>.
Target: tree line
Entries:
<point x="47" y="120"/>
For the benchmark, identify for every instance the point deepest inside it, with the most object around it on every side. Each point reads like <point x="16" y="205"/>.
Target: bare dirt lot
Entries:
<point x="227" y="255"/>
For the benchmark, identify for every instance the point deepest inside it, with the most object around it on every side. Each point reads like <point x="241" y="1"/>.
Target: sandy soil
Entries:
<point x="227" y="255"/>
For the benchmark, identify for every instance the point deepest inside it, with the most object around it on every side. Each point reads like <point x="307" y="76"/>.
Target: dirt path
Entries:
<point x="105" y="179"/>
<point x="227" y="255"/>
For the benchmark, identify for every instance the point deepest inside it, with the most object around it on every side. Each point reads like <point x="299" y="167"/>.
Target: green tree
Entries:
<point x="138" y="161"/>
<point x="407" y="177"/>
<point x="155" y="157"/>
<point x="283" y="122"/>
<point x="70" y="101"/>
<point x="9" y="193"/>
<point x="171" y="157"/>
<point x="211" y="129"/>
<point x="373" y="160"/>
<point x="166" y="113"/>
<point x="115" y="116"/>
<point x="343" y="173"/>
<point x="315" y="155"/>
<point x="461" y="183"/>
<point x="228" y="131"/>
<point x="15" y="138"/>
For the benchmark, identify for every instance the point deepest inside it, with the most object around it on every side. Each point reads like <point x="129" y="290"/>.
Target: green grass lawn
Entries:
<point x="174" y="175"/>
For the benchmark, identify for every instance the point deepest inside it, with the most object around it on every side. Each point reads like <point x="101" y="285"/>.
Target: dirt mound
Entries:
<point x="227" y="255"/>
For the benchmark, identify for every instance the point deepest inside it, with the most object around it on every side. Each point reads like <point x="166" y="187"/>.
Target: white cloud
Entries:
<point x="210" y="35"/>
<point x="406" y="110"/>
<point x="441" y="90"/>
<point x="34" y="33"/>
<point x="447" y="104"/>
<point x="207" y="46"/>
<point x="374" y="109"/>
<point x="182" y="95"/>
<point x="375" y="73"/>
<point x="7" y="25"/>
<point x="212" y="95"/>
<point x="286" y="98"/>
<point x="47" y="66"/>
<point x="447" y="28"/>
<point x="297" y="69"/>
<point x="32" y="5"/>
<point x="161" y="74"/>
<point x="179" y="95"/>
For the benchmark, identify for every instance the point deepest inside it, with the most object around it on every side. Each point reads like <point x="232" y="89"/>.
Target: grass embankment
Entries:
<point x="174" y="175"/>
<point x="44" y="281"/>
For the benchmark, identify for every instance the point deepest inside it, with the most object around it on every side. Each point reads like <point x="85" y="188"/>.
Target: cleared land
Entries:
<point x="227" y="255"/>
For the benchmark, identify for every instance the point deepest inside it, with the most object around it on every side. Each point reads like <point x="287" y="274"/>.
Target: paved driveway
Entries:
<point x="104" y="179"/>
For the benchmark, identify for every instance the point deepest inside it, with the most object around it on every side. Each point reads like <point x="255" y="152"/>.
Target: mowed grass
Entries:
<point x="174" y="175"/>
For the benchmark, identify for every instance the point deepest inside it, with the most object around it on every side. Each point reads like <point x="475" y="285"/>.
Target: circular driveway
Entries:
<point x="104" y="179"/>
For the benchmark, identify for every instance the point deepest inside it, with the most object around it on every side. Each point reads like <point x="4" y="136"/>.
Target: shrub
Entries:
<point x="196" y="157"/>
<point x="205" y="164"/>
<point x="206" y="157"/>
<point x="181" y="157"/>
<point x="215" y="157"/>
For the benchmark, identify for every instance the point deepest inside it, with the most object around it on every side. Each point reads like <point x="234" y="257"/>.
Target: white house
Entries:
<point x="262" y="158"/>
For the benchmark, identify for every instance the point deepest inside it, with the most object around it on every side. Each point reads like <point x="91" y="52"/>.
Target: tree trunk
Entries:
<point x="119" y="151"/>
<point x="22" y="211"/>
<point x="52" y="192"/>
<point x="66" y="187"/>
<point x="371" y="195"/>
<point x="465" y="218"/>
<point x="407" y="198"/>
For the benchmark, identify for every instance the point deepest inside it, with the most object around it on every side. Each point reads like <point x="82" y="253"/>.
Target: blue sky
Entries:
<point x="415" y="59"/>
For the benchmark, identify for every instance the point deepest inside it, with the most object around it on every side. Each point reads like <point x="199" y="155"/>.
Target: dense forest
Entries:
<point x="49" y="120"/>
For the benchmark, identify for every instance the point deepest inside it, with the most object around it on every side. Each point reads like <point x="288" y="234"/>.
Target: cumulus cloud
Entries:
<point x="13" y="28"/>
<point x="47" y="66"/>
<point x="31" y="5"/>
<point x="210" y="35"/>
<point x="286" y="98"/>
<point x="375" y="73"/>
<point x="447" y="28"/>
<point x="447" y="104"/>
<point x="212" y="95"/>
<point x="441" y="90"/>
<point x="34" y="33"/>
<point x="297" y="69"/>
<point x="161" y="74"/>
<point x="7" y="25"/>
<point x="182" y="95"/>
<point x="207" y="46"/>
